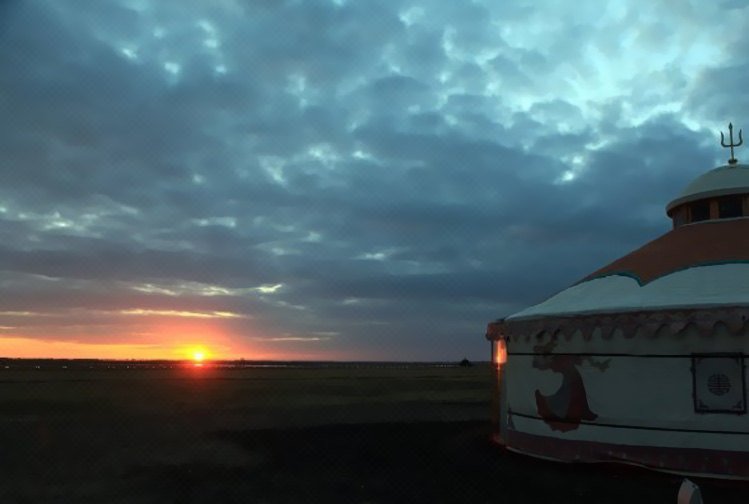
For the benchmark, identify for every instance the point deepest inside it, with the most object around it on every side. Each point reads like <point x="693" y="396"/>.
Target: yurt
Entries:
<point x="643" y="360"/>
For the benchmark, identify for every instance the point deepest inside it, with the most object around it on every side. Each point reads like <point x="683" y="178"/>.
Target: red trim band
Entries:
<point x="712" y="463"/>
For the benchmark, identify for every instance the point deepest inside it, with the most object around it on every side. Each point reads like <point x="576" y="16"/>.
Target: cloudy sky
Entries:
<point x="338" y="179"/>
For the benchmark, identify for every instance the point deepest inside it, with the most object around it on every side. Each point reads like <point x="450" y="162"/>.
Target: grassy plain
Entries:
<point x="337" y="434"/>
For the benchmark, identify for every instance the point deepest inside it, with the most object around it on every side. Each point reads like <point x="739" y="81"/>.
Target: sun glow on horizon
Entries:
<point x="192" y="343"/>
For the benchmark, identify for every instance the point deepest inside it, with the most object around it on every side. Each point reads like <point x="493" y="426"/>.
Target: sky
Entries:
<point x="339" y="179"/>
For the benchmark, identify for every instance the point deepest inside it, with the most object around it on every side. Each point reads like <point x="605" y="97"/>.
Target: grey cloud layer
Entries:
<point x="377" y="160"/>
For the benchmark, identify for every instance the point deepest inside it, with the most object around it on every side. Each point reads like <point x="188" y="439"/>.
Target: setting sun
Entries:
<point x="198" y="356"/>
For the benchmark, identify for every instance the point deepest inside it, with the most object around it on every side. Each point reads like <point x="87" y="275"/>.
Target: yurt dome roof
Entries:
<point x="702" y="263"/>
<point x="722" y="181"/>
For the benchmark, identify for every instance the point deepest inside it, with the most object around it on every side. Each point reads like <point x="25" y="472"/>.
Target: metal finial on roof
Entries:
<point x="731" y="161"/>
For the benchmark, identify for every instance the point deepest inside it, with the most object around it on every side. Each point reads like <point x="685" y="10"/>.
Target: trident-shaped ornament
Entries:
<point x="731" y="161"/>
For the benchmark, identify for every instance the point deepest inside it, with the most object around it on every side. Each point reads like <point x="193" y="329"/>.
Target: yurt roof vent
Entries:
<point x="718" y="194"/>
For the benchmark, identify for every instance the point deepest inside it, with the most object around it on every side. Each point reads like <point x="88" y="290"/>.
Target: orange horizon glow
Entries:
<point x="30" y="348"/>
<point x="22" y="347"/>
<point x="193" y="340"/>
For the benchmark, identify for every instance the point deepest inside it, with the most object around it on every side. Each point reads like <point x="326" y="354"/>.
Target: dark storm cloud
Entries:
<point x="721" y="92"/>
<point x="389" y="175"/>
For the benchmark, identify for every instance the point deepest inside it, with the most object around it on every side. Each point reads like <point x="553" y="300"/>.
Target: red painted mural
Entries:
<point x="566" y="408"/>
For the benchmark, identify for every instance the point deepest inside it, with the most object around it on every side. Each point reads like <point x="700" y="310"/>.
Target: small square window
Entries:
<point x="730" y="206"/>
<point x="700" y="211"/>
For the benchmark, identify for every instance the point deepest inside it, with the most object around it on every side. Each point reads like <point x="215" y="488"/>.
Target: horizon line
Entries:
<point x="241" y="359"/>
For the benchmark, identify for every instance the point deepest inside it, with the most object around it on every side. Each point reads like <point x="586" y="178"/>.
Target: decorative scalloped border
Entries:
<point x="647" y="323"/>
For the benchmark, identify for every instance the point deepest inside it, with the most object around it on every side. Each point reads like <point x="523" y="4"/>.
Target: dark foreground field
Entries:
<point x="283" y="435"/>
